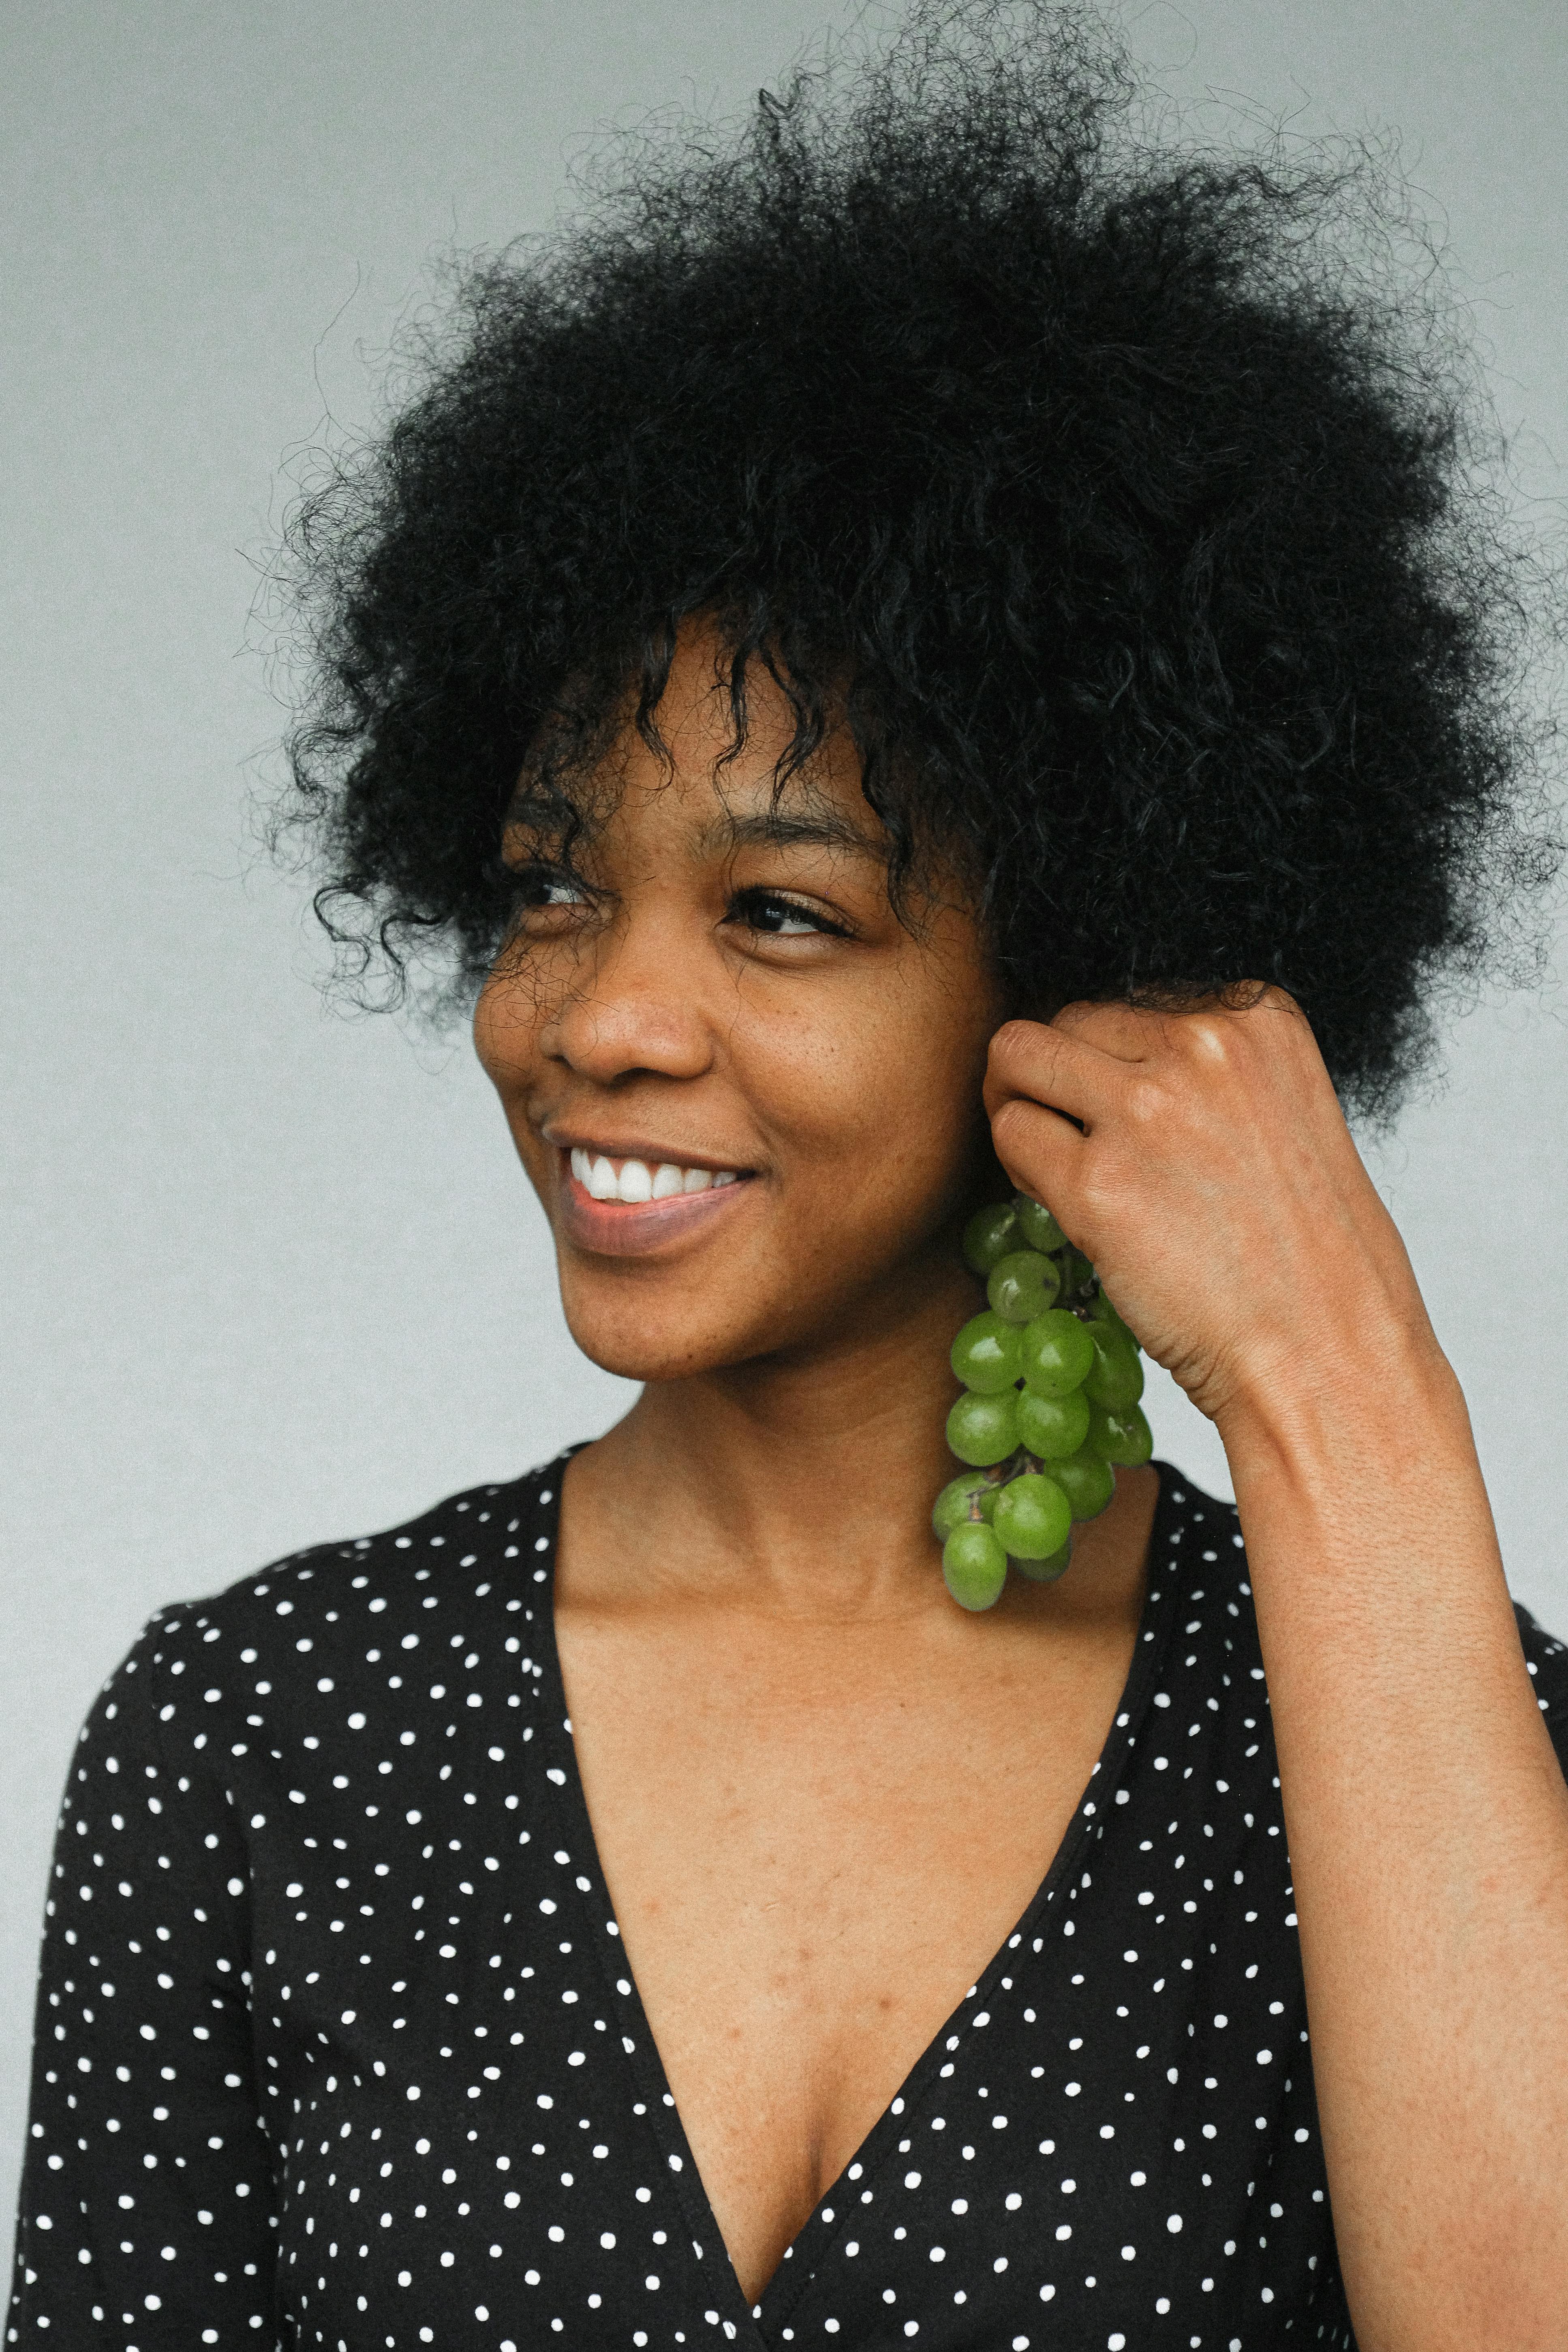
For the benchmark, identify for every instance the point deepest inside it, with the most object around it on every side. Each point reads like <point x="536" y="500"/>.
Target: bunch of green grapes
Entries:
<point x="1052" y="1377"/>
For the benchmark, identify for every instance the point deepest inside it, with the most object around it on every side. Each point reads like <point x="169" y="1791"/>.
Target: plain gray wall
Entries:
<point x="272" y="1274"/>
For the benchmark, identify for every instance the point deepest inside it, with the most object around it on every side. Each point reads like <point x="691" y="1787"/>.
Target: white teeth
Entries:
<point x="634" y="1182"/>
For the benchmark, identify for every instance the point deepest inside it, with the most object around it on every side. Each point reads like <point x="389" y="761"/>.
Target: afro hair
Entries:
<point x="1125" y="506"/>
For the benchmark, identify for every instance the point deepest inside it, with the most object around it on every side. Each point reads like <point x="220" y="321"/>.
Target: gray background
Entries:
<point x="272" y="1274"/>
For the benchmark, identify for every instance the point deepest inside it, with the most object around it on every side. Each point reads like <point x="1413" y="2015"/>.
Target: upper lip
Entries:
<point x="653" y="1155"/>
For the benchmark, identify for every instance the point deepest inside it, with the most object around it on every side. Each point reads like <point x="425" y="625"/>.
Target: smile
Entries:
<point x="634" y="1182"/>
<point x="631" y="1207"/>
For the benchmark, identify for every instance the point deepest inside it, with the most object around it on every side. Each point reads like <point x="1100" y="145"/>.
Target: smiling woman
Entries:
<point x="721" y="996"/>
<point x="929" y="649"/>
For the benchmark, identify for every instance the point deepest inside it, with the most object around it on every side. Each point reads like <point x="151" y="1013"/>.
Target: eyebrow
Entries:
<point x="542" y="816"/>
<point x="776" y="828"/>
<point x="771" y="828"/>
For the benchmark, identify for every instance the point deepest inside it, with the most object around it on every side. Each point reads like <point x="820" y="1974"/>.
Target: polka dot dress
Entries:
<point x="338" y="2046"/>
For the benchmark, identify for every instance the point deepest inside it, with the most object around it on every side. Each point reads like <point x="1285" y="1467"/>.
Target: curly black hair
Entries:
<point x="1128" y="516"/>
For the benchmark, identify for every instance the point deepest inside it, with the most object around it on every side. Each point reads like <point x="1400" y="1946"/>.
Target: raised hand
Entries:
<point x="1201" y="1159"/>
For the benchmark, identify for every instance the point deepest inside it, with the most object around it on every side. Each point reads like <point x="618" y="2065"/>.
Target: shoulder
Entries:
<point x="1546" y="1658"/>
<point x="305" y="1618"/>
<point x="1199" y="1544"/>
<point x="486" y="1527"/>
<point x="1200" y="1622"/>
<point x="1197" y="1554"/>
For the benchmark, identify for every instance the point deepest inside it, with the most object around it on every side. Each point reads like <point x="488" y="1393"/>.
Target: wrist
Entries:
<point x="1374" y="1394"/>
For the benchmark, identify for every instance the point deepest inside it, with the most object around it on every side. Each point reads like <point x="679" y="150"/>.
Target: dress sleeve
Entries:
<point x="147" y="2219"/>
<point x="1547" y="1659"/>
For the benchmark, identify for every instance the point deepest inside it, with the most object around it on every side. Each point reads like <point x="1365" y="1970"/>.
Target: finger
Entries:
<point x="1042" y="1152"/>
<point x="1046" y="1064"/>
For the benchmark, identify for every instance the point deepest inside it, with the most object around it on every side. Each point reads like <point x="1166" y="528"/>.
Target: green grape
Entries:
<point x="1032" y="1518"/>
<point x="1022" y="1286"/>
<point x="990" y="1233"/>
<point x="1076" y="1271"/>
<point x="1045" y="1571"/>
<point x="951" y="1508"/>
<point x="1054" y="1426"/>
<point x="1123" y="1437"/>
<point x="1088" y="1483"/>
<point x="1115" y="1380"/>
<point x="1057" y="1352"/>
<point x="974" y="1566"/>
<point x="985" y="1354"/>
<point x="984" y="1429"/>
<point x="1037" y="1225"/>
<point x="1077" y="1412"/>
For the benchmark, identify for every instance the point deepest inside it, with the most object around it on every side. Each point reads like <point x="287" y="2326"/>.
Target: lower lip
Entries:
<point x="637" y="1228"/>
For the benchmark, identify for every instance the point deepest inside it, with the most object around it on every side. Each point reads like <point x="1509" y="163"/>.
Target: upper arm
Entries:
<point x="147" y="2208"/>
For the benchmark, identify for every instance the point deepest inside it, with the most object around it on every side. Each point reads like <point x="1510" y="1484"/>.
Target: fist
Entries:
<point x="1201" y="1159"/>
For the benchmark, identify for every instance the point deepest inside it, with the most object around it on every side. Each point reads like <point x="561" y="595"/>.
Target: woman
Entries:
<point x="863" y="650"/>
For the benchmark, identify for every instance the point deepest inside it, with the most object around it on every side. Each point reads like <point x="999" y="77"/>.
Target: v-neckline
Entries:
<point x="785" y="2285"/>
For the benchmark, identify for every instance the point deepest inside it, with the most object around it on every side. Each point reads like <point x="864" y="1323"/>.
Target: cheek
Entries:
<point x="887" y="1100"/>
<point x="505" y="1029"/>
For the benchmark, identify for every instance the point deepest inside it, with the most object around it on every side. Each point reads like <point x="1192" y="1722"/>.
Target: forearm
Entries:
<point x="1426" y="1813"/>
<point x="1428" y="1827"/>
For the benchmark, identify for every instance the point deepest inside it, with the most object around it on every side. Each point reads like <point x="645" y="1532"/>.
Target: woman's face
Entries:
<point x="733" y="1021"/>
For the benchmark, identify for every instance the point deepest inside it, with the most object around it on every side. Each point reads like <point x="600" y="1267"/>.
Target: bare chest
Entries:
<point x="814" y="1847"/>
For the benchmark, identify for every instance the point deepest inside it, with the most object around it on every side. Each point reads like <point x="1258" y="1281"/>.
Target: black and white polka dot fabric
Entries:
<point x="338" y="2046"/>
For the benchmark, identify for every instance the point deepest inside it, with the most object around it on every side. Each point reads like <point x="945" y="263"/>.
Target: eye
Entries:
<point x="781" y="917"/>
<point x="535" y="887"/>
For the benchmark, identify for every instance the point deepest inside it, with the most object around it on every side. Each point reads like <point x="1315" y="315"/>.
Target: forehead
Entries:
<point x="723" y="764"/>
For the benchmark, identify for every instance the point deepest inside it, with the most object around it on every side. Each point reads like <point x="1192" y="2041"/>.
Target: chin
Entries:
<point x="641" y="1364"/>
<point x="636" y="1351"/>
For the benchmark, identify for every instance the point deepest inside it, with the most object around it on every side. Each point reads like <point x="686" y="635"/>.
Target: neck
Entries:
<point x="799" y="1483"/>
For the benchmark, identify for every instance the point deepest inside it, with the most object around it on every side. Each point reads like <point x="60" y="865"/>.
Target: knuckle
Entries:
<point x="1076" y="1015"/>
<point x="1267" y="996"/>
<point x="1147" y="1103"/>
<point x="1210" y="1037"/>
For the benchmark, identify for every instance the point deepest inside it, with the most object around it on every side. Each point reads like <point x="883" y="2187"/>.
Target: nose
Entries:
<point x="637" y="1007"/>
